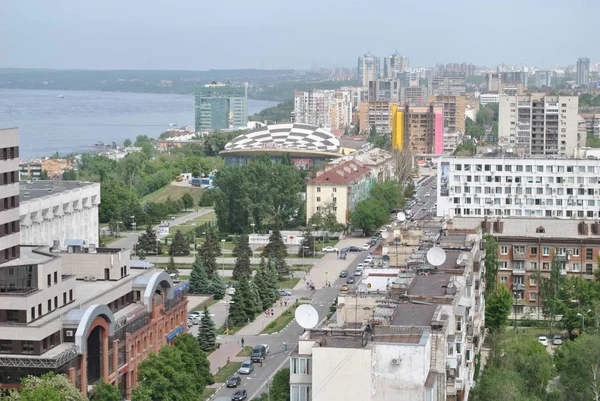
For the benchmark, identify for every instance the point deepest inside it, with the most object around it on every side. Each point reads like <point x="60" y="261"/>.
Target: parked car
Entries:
<point x="196" y="313"/>
<point x="259" y="352"/>
<point x="354" y="249"/>
<point x="366" y="247"/>
<point x="361" y="265"/>
<point x="190" y="322"/>
<point x="234" y="381"/>
<point x="344" y="273"/>
<point x="543" y="340"/>
<point x="383" y="229"/>
<point x="344" y="288"/>
<point x="240" y="395"/>
<point x="246" y="368"/>
<point x="350" y="280"/>
<point x="557" y="340"/>
<point x="285" y="293"/>
<point x="329" y="249"/>
<point x="368" y="259"/>
<point x="358" y="272"/>
<point x="231" y="291"/>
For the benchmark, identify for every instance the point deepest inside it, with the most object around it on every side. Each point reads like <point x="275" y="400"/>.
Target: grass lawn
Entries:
<point x="282" y="321"/>
<point x="189" y="225"/>
<point x="289" y="283"/>
<point x="247" y="351"/>
<point x="174" y="191"/>
<point x="207" y="393"/>
<point x="109" y="239"/>
<point x="227" y="371"/>
<point x="208" y="304"/>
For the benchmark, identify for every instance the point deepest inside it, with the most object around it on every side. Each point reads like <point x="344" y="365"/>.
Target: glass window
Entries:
<point x="28" y="347"/>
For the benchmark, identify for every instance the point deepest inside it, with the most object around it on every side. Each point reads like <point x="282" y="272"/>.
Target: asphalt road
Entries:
<point x="321" y="299"/>
<point x="421" y="211"/>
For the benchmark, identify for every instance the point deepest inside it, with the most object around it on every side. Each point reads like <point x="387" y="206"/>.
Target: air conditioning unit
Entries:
<point x="395" y="361"/>
<point x="69" y="333"/>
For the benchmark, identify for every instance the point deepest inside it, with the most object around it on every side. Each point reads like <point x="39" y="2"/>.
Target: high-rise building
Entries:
<point x="542" y="79"/>
<point x="447" y="86"/>
<point x="384" y="90"/>
<point x="414" y="95"/>
<point x="493" y="81"/>
<point x="418" y="129"/>
<point x="326" y="108"/>
<point x="220" y="106"/>
<point x="583" y="71"/>
<point x="368" y="69"/>
<point x="9" y="195"/>
<point x="454" y="112"/>
<point x="539" y="124"/>
<point x="394" y="64"/>
<point x="376" y="114"/>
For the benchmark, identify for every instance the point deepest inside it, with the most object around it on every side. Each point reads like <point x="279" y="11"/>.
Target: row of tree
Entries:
<point x="149" y="244"/>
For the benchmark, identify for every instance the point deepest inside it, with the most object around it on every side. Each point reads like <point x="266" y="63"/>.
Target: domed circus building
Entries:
<point x="307" y="145"/>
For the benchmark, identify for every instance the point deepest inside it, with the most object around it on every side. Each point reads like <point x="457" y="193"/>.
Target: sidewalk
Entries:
<point x="262" y="320"/>
<point x="218" y="358"/>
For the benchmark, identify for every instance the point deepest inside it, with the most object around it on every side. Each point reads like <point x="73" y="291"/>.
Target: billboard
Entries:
<point x="445" y="179"/>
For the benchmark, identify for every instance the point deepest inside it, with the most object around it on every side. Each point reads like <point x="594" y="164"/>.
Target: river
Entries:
<point x="49" y="124"/>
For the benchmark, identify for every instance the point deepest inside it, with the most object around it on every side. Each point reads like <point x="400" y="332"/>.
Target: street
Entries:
<point x="420" y="211"/>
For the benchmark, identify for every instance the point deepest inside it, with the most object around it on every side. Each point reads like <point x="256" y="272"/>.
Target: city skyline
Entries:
<point x="149" y="36"/>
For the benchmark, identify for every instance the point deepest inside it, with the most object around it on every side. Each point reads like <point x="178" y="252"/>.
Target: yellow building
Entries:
<point x="397" y="129"/>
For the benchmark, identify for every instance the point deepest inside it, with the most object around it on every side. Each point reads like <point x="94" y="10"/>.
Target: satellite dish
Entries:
<point x="510" y="150"/>
<point x="369" y="285"/>
<point x="401" y="217"/>
<point x="436" y="256"/>
<point x="306" y="316"/>
<point x="490" y="150"/>
<point x="385" y="234"/>
<point x="385" y="258"/>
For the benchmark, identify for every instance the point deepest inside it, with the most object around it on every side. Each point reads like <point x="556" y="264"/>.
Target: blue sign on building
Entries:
<point x="174" y="333"/>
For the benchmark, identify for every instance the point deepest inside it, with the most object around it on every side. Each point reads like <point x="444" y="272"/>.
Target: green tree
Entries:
<point x="409" y="190"/>
<point x="207" y="335"/>
<point x="279" y="388"/>
<point x="44" y="175"/>
<point x="188" y="201"/>
<point x="242" y="269"/>
<point x="499" y="384"/>
<point x="307" y="245"/>
<point x="497" y="308"/>
<point x="167" y="376"/>
<point x="127" y="143"/>
<point x="217" y="286"/>
<point x="243" y="309"/>
<point x="388" y="194"/>
<point x="272" y="280"/>
<point x="368" y="216"/>
<point x="148" y="242"/>
<point x="326" y="218"/>
<point x="179" y="246"/>
<point x="578" y="365"/>
<point x="491" y="264"/>
<point x="549" y="289"/>
<point x="577" y="298"/>
<point x="48" y="387"/>
<point x="106" y="392"/>
<point x="194" y="358"/>
<point x="277" y="250"/>
<point x="171" y="267"/>
<point x="69" y="175"/>
<point x="209" y="251"/>
<point x="199" y="281"/>
<point x="209" y="198"/>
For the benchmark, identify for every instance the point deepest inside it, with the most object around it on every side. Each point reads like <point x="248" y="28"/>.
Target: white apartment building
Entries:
<point x="331" y="109"/>
<point x="540" y="124"/>
<point x="511" y="186"/>
<point x="487" y="98"/>
<point x="59" y="210"/>
<point x="447" y="86"/>
<point x="9" y="194"/>
<point x="394" y="64"/>
<point x="358" y="94"/>
<point x="368" y="69"/>
<point x="423" y="347"/>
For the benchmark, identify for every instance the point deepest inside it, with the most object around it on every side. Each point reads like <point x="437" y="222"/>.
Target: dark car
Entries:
<point x="344" y="273"/>
<point x="354" y="249"/>
<point x="234" y="381"/>
<point x="350" y="280"/>
<point x="239" y="395"/>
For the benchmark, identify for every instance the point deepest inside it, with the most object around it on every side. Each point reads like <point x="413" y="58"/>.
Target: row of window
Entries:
<point x="8" y="203"/>
<point x="518" y="212"/>
<point x="510" y="179"/>
<point x="526" y="168"/>
<point x="9" y="253"/>
<point x="530" y="191"/>
<point x="533" y="251"/>
<point x="10" y="177"/>
<point x="9" y="153"/>
<point x="9" y="228"/>
<point x="332" y="189"/>
<point x="564" y="267"/>
<point x="52" y="304"/>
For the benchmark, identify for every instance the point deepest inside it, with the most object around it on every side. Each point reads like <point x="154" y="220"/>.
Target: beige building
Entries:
<point x="541" y="124"/>
<point x="9" y="194"/>
<point x="420" y="129"/>
<point x="376" y="114"/>
<point x="454" y="112"/>
<point x="54" y="168"/>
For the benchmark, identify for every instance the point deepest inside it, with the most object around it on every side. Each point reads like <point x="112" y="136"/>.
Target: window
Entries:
<point x="334" y="189"/>
<point x="458" y="348"/>
<point x="49" y="305"/>
<point x="575" y="251"/>
<point x="49" y="280"/>
<point x="575" y="267"/>
<point x="533" y="250"/>
<point x="503" y="265"/>
<point x="546" y="251"/>
<point x="300" y="393"/>
<point x="532" y="282"/>
<point x="5" y="346"/>
<point x="318" y="199"/>
<point x="503" y="250"/>
<point x="589" y="268"/>
<point x="55" y="302"/>
<point x="318" y="189"/>
<point x="64" y="298"/>
<point x="503" y="280"/>
<point x="55" y="277"/>
<point x="12" y="315"/>
<point x="33" y="313"/>
<point x="301" y="366"/>
<point x="28" y="347"/>
<point x="533" y="296"/>
<point x="70" y="295"/>
<point x="589" y="254"/>
<point x="545" y="266"/>
<point x="533" y="265"/>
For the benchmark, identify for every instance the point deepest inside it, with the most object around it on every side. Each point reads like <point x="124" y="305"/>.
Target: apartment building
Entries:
<point x="221" y="106"/>
<point x="505" y="185"/>
<point x="420" y="129"/>
<point x="591" y="124"/>
<point x="527" y="246"/>
<point x="487" y="98"/>
<point x="542" y="79"/>
<point x="493" y="82"/>
<point x="53" y="167"/>
<point x="583" y="71"/>
<point x="376" y="114"/>
<point x="454" y="112"/>
<point x="447" y="86"/>
<point x="414" y="95"/>
<point x="540" y="124"/>
<point x="358" y="94"/>
<point x="330" y="109"/>
<point x="368" y="69"/>
<point x="413" y="339"/>
<point x="381" y="162"/>
<point x="9" y="195"/>
<point x="59" y="210"/>
<point x="384" y="90"/>
<point x="394" y="64"/>
<point x="340" y="186"/>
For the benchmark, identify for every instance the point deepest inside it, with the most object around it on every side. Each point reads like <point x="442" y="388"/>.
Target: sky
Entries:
<point x="270" y="34"/>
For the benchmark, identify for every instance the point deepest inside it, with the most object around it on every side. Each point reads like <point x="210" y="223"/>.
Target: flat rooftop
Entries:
<point x="31" y="255"/>
<point x="431" y="285"/>
<point x="413" y="315"/>
<point x="39" y="188"/>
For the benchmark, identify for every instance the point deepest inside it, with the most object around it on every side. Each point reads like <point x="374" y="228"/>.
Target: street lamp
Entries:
<point x="222" y="261"/>
<point x="314" y="226"/>
<point x="133" y="224"/>
<point x="119" y="231"/>
<point x="253" y="225"/>
<point x="157" y="243"/>
<point x="194" y="234"/>
<point x="583" y="319"/>
<point x="516" y="301"/>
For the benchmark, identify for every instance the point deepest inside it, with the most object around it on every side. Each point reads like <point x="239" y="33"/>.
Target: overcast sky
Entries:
<point x="230" y="34"/>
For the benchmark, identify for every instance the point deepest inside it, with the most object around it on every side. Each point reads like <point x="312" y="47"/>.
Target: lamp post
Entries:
<point x="314" y="226"/>
<point x="583" y="319"/>
<point x="516" y="300"/>
<point x="194" y="234"/>
<point x="157" y="243"/>
<point x="119" y="231"/>
<point x="223" y="261"/>
<point x="253" y="225"/>
<point x="133" y="224"/>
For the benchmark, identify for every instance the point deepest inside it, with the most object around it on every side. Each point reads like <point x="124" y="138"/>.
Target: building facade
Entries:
<point x="9" y="195"/>
<point x="53" y="167"/>
<point x="368" y="69"/>
<point x="59" y="210"/>
<point x="583" y="71"/>
<point x="454" y="112"/>
<point x="220" y="106"/>
<point x="414" y="95"/>
<point x="394" y="64"/>
<point x="419" y="129"/>
<point x="493" y="82"/>
<point x="447" y="86"/>
<point x="487" y="98"/>
<point x="539" y="123"/>
<point x="376" y="114"/>
<point x="542" y="79"/>
<point x="518" y="187"/>
<point x="384" y="90"/>
<point x="329" y="109"/>
<point x="339" y="188"/>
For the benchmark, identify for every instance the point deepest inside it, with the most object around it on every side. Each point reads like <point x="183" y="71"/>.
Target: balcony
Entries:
<point x="519" y="253"/>
<point x="518" y="287"/>
<point x="518" y="272"/>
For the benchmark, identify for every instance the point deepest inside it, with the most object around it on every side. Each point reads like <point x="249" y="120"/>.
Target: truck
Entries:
<point x="196" y="182"/>
<point x="259" y="353"/>
<point x="179" y="178"/>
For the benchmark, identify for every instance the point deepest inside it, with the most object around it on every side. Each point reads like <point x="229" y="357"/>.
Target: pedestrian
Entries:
<point x="272" y="312"/>
<point x="261" y="362"/>
<point x="266" y="312"/>
<point x="242" y="342"/>
<point x="286" y="302"/>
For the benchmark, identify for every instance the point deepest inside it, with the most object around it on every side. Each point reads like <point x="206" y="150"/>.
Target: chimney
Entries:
<point x="582" y="228"/>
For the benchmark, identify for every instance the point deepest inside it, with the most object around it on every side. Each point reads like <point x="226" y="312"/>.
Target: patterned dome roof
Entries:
<point x="286" y="136"/>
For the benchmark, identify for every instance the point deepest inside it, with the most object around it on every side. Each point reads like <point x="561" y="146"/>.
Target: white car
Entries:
<point x="358" y="272"/>
<point x="368" y="259"/>
<point x="330" y="249"/>
<point x="366" y="247"/>
<point x="361" y="265"/>
<point x="543" y="340"/>
<point x="231" y="291"/>
<point x="557" y="340"/>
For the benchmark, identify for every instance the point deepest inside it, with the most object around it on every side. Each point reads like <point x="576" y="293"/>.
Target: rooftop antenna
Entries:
<point x="306" y="316"/>
<point x="436" y="256"/>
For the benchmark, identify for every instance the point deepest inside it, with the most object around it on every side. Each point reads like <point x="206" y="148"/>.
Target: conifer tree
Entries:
<point x="207" y="335"/>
